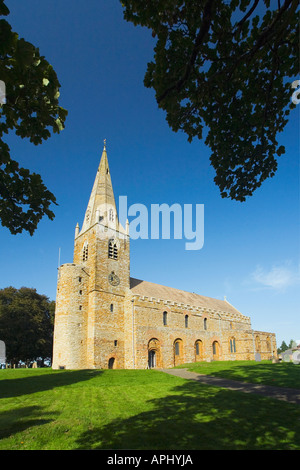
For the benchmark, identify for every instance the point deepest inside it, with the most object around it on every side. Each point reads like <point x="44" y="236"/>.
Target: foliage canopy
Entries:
<point x="32" y="110"/>
<point x="225" y="64"/>
<point x="26" y="324"/>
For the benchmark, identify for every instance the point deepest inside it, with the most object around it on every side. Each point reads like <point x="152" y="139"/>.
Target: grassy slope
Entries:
<point x="143" y="409"/>
<point x="280" y="375"/>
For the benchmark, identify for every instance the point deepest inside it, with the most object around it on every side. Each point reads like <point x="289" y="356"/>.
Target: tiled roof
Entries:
<point x="149" y="289"/>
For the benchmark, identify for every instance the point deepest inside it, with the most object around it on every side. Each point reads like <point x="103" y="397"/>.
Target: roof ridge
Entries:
<point x="200" y="296"/>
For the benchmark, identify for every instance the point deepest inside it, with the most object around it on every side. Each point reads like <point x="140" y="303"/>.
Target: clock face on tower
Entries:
<point x="113" y="279"/>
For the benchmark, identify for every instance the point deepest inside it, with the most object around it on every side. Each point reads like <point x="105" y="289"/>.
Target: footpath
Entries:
<point x="280" y="393"/>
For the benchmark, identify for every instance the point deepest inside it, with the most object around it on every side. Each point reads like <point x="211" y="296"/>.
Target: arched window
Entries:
<point x="186" y="321"/>
<point x="205" y="323"/>
<point x="85" y="252"/>
<point x="232" y="345"/>
<point x="178" y="352"/>
<point x="198" y="350"/>
<point x="111" y="307"/>
<point x="216" y="350"/>
<point x="112" y="249"/>
<point x="165" y="318"/>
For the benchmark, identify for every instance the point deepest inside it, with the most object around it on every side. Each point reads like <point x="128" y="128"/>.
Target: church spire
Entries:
<point x="101" y="207"/>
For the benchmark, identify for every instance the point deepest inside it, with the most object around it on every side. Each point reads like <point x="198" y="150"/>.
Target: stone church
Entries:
<point x="106" y="319"/>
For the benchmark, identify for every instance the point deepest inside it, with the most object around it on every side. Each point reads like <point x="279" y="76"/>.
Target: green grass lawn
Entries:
<point x="42" y="409"/>
<point x="282" y="374"/>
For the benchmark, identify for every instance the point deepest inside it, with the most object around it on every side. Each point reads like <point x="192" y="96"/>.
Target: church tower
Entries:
<point x="89" y="317"/>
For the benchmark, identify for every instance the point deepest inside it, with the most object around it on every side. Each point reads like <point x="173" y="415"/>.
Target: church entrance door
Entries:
<point x="152" y="359"/>
<point x="154" y="354"/>
<point x="111" y="363"/>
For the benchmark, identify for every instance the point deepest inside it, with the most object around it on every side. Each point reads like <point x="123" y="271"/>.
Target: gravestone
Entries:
<point x="257" y="357"/>
<point x="287" y="355"/>
<point x="296" y="357"/>
<point x="2" y="353"/>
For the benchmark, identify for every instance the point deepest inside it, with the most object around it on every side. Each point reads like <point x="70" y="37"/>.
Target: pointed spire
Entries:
<point x="102" y="207"/>
<point x="104" y="189"/>
<point x="102" y="198"/>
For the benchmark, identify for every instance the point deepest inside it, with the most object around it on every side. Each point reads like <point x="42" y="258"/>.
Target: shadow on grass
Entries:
<point x="31" y="383"/>
<point x="199" y="417"/>
<point x="278" y="375"/>
<point x="20" y="419"/>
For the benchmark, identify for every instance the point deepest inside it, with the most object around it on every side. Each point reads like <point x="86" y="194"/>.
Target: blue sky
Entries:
<point x="251" y="249"/>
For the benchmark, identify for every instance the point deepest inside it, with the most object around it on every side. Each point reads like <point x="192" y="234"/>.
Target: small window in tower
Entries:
<point x="80" y="292"/>
<point x="80" y="307"/>
<point x="111" y="307"/>
<point x="111" y="215"/>
<point x="165" y="318"/>
<point x="186" y="321"/>
<point x="79" y="279"/>
<point x="116" y="342"/>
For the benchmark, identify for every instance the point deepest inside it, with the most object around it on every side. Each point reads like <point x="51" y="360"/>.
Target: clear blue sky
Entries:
<point x="251" y="250"/>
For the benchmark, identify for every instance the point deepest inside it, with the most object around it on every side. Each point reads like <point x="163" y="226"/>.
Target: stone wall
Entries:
<point x="70" y="327"/>
<point x="112" y="328"/>
<point x="185" y="334"/>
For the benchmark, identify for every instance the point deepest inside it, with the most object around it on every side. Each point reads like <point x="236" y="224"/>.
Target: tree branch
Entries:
<point x="270" y="30"/>
<point x="207" y="17"/>
<point x="266" y="34"/>
<point x="248" y="14"/>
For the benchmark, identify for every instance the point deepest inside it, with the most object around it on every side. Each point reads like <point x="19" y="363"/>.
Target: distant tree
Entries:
<point x="292" y="344"/>
<point x="227" y="65"/>
<point x="31" y="108"/>
<point x="282" y="348"/>
<point x="26" y="324"/>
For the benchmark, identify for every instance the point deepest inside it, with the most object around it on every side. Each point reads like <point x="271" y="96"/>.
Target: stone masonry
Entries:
<point x="106" y="319"/>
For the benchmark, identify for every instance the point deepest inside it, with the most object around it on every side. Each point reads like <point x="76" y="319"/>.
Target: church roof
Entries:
<point x="149" y="289"/>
